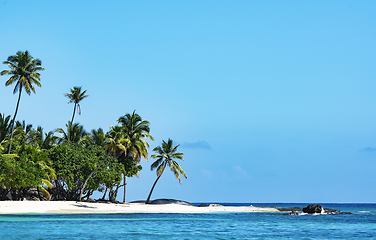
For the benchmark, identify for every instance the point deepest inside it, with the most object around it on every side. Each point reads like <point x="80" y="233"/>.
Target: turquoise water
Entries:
<point x="360" y="225"/>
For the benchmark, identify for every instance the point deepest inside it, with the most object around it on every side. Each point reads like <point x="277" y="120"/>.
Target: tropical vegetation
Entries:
<point x="70" y="163"/>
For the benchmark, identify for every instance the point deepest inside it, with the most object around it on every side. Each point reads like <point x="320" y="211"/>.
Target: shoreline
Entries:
<point x="19" y="207"/>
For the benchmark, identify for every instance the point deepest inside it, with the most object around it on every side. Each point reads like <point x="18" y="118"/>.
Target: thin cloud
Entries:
<point x="199" y="144"/>
<point x="368" y="149"/>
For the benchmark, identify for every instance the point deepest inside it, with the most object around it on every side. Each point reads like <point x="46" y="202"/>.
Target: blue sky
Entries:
<point x="271" y="101"/>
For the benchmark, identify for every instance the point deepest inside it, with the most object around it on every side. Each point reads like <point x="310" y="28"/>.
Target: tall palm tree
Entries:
<point x="135" y="130"/>
<point x="24" y="72"/>
<point x="76" y="96"/>
<point x="74" y="133"/>
<point x="115" y="142"/>
<point x="165" y="157"/>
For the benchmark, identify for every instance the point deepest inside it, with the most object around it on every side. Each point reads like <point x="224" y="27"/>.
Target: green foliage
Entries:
<point x="74" y="162"/>
<point x="74" y="133"/>
<point x="24" y="71"/>
<point x="5" y="127"/>
<point x="19" y="173"/>
<point x="29" y="168"/>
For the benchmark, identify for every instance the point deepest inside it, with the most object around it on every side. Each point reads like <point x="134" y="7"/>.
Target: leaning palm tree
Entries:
<point x="115" y="142"/>
<point x="135" y="130"/>
<point x="24" y="72"/>
<point x="76" y="96"/>
<point x="165" y="157"/>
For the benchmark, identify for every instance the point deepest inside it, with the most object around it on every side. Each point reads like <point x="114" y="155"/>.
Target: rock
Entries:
<point x="203" y="205"/>
<point x="313" y="208"/>
<point x="291" y="213"/>
<point x="289" y="209"/>
<point x="331" y="211"/>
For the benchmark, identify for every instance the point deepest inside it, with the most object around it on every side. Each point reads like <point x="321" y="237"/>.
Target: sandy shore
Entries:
<point x="7" y="207"/>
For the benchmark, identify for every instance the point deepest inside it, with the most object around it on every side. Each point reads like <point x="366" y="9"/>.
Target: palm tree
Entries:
<point x="165" y="157"/>
<point x="5" y="127"/>
<point x="24" y="72"/>
<point x="76" y="96"/>
<point x="39" y="157"/>
<point x="98" y="137"/>
<point x="22" y="132"/>
<point x="74" y="133"/>
<point x="115" y="142"/>
<point x="42" y="140"/>
<point x="134" y="129"/>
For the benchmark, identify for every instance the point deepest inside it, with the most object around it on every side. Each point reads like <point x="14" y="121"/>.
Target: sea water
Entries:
<point x="359" y="225"/>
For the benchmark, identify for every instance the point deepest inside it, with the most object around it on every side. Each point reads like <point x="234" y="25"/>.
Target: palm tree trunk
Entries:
<point x="74" y="111"/>
<point x="148" y="199"/>
<point x="14" y="119"/>
<point x="104" y="195"/>
<point x="87" y="179"/>
<point x="124" y="188"/>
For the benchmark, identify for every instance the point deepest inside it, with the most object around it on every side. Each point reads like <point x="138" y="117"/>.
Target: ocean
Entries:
<point x="361" y="224"/>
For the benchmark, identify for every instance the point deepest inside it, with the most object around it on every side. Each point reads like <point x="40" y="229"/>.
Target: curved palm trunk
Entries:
<point x="74" y="111"/>
<point x="147" y="200"/>
<point x="14" y="119"/>
<point x="87" y="179"/>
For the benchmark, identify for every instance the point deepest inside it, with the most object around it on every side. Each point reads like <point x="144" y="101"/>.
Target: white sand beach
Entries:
<point x="7" y="207"/>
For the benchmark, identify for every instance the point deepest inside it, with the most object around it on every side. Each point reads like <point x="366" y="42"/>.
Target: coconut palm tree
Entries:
<point x="22" y="132"/>
<point x="76" y="96"/>
<point x="25" y="73"/>
<point x="115" y="142"/>
<point x="98" y="137"/>
<point x="165" y="157"/>
<point x="135" y="130"/>
<point x="5" y="127"/>
<point x="42" y="140"/>
<point x="74" y="133"/>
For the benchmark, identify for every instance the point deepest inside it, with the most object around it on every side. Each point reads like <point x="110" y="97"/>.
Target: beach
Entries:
<point x="9" y="207"/>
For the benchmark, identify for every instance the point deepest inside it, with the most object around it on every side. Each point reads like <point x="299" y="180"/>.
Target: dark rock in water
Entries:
<point x="331" y="211"/>
<point x="291" y="213"/>
<point x="289" y="209"/>
<point x="313" y="208"/>
<point x="203" y="205"/>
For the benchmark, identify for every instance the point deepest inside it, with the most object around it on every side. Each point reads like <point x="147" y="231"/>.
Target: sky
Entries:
<point x="270" y="101"/>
